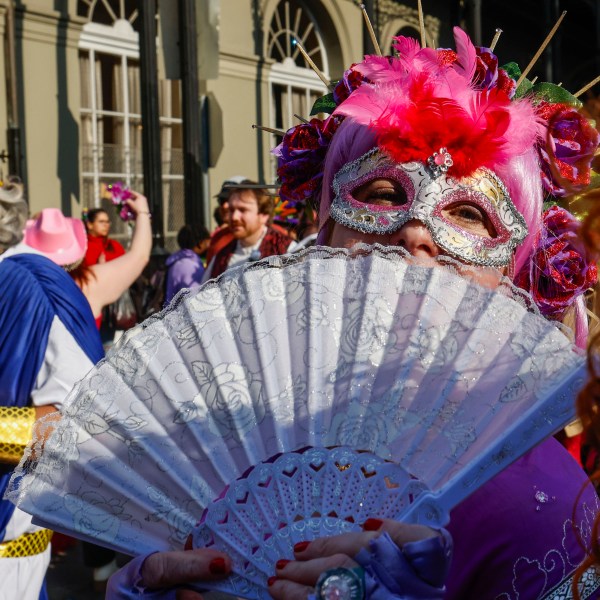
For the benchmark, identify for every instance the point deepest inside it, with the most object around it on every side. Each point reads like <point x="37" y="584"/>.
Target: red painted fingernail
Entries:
<point x="280" y="564"/>
<point x="271" y="581"/>
<point x="188" y="543"/>
<point x="372" y="524"/>
<point x="217" y="566"/>
<point x="301" y="546"/>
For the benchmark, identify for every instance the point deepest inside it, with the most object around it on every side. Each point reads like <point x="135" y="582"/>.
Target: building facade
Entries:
<point x="70" y="74"/>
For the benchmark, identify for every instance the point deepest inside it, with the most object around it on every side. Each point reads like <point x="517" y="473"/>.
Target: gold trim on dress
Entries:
<point x="16" y="427"/>
<point x="27" y="544"/>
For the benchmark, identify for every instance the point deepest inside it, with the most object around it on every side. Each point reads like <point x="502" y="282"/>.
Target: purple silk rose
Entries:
<point x="570" y="146"/>
<point x="351" y="80"/>
<point x="487" y="74"/>
<point x="300" y="158"/>
<point x="561" y="267"/>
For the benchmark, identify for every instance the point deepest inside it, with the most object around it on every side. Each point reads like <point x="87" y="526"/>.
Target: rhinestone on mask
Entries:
<point x="439" y="162"/>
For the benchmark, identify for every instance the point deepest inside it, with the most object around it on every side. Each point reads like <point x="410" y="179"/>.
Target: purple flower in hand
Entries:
<point x="120" y="194"/>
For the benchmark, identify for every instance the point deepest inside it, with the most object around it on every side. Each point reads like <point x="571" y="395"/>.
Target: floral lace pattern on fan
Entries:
<point x="447" y="369"/>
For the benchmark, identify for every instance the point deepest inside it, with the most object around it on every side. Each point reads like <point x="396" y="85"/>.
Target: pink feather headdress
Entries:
<point x="426" y="100"/>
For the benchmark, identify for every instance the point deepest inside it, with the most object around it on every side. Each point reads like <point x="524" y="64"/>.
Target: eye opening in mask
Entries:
<point x="383" y="192"/>
<point x="469" y="217"/>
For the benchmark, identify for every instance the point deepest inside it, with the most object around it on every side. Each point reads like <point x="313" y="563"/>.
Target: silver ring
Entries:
<point x="341" y="584"/>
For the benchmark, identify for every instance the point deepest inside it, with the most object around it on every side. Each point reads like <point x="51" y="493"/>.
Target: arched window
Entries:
<point x="107" y="12"/>
<point x="294" y="86"/>
<point x="110" y="134"/>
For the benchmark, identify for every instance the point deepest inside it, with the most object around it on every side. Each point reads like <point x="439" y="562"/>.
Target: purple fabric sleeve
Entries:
<point x="417" y="571"/>
<point x="126" y="584"/>
<point x="185" y="271"/>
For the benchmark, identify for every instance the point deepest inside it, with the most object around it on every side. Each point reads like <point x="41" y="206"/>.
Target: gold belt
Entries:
<point x="27" y="544"/>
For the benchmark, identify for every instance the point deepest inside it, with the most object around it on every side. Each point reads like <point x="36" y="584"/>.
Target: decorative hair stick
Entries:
<point x="585" y="88"/>
<point x="496" y="38"/>
<point x="541" y="49"/>
<point x="312" y="65"/>
<point x="421" y="25"/>
<point x="302" y="119"/>
<point x="269" y="130"/>
<point x="371" y="31"/>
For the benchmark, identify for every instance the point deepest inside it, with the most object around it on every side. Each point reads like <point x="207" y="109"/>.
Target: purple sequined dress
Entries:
<point x="518" y="536"/>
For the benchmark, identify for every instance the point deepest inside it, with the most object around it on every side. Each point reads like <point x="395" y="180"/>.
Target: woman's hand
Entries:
<point x="138" y="203"/>
<point x="296" y="579"/>
<point x="154" y="575"/>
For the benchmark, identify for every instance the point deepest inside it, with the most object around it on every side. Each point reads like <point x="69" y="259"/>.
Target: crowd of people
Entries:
<point x="433" y="152"/>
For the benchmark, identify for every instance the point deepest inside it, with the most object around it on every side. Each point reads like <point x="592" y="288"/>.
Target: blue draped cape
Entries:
<point x="33" y="290"/>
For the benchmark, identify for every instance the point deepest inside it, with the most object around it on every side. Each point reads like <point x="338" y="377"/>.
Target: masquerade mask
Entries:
<point x="472" y="218"/>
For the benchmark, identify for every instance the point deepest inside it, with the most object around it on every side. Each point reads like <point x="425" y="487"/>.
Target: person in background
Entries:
<point x="250" y="213"/>
<point x="100" y="248"/>
<point x="48" y="341"/>
<point x="185" y="267"/>
<point x="308" y="230"/>
<point x="221" y="236"/>
<point x="53" y="234"/>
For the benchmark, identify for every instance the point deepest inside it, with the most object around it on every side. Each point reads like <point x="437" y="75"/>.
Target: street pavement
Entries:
<point x="69" y="579"/>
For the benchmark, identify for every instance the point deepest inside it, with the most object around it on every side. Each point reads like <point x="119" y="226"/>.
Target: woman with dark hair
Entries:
<point x="100" y="248"/>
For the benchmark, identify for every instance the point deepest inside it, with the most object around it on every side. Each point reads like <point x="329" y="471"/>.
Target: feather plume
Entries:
<point x="406" y="47"/>
<point x="418" y="103"/>
<point x="467" y="56"/>
<point x="380" y="68"/>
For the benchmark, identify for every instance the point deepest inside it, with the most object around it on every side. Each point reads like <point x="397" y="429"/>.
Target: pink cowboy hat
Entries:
<point x="62" y="239"/>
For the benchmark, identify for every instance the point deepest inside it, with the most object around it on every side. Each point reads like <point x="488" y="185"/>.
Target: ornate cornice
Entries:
<point x="389" y="9"/>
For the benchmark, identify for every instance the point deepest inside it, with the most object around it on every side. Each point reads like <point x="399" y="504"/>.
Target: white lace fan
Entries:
<point x="419" y="364"/>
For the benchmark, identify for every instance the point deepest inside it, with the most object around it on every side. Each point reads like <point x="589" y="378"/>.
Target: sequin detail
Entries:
<point x="541" y="498"/>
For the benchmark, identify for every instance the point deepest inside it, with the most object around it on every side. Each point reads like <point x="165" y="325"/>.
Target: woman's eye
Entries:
<point x="469" y="213"/>
<point x="470" y="217"/>
<point x="381" y="192"/>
